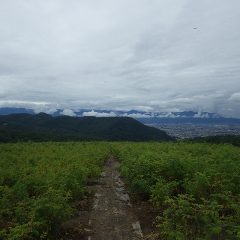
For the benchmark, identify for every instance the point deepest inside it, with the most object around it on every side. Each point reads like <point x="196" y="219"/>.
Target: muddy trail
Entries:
<point x="110" y="215"/>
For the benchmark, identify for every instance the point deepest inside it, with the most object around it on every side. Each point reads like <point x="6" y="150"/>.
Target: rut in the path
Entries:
<point x="112" y="217"/>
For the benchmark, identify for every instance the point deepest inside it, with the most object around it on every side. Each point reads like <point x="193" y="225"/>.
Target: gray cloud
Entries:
<point x="121" y="54"/>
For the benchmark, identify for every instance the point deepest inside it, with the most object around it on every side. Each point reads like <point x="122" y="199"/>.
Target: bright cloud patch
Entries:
<point x="201" y="115"/>
<point x="98" y="114"/>
<point x="68" y="112"/>
<point x="235" y="97"/>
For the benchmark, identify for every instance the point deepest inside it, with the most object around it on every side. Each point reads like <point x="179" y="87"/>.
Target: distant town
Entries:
<point x="191" y="131"/>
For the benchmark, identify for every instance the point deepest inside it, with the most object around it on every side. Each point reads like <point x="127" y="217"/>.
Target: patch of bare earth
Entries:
<point x="109" y="214"/>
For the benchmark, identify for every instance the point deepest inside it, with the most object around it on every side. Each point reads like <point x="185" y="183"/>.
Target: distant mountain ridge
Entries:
<point x="44" y="127"/>
<point x="154" y="118"/>
<point x="6" y="111"/>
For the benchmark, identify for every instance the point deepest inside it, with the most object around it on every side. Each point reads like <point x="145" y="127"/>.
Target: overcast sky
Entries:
<point x="156" y="55"/>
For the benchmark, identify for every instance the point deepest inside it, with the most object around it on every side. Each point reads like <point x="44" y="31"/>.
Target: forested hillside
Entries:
<point x="228" y="139"/>
<point x="44" y="127"/>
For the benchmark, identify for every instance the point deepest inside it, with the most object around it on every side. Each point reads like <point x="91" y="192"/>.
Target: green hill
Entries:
<point x="44" y="127"/>
<point x="228" y="139"/>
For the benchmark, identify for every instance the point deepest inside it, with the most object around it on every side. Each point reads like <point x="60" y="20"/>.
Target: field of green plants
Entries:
<point x="195" y="187"/>
<point x="39" y="183"/>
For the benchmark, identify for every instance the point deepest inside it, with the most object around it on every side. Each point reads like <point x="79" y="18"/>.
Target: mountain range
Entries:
<point x="153" y="118"/>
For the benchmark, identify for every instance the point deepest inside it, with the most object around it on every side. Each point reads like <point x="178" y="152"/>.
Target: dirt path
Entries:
<point x="112" y="217"/>
<point x="109" y="215"/>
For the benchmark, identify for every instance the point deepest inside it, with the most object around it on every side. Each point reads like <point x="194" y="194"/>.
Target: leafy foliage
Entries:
<point x="195" y="187"/>
<point x="39" y="183"/>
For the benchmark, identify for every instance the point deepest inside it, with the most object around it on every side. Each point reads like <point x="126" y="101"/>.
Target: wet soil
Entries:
<point x="108" y="214"/>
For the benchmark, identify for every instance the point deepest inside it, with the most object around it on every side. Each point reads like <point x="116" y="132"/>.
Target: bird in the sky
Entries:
<point x="195" y="28"/>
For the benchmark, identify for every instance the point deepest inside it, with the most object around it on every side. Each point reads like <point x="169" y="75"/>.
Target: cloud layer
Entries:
<point x="163" y="55"/>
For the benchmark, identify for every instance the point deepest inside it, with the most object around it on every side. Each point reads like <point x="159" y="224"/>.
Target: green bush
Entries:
<point x="39" y="183"/>
<point x="194" y="187"/>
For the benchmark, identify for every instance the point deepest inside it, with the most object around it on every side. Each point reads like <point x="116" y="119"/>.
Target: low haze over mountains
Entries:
<point x="185" y="117"/>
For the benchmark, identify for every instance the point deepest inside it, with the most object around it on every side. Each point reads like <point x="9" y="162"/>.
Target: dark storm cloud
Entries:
<point x="159" y="55"/>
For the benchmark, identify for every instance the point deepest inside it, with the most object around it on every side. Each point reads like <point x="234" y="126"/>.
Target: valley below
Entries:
<point x="185" y="131"/>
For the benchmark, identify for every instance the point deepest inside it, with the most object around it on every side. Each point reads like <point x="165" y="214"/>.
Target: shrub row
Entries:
<point x="195" y="187"/>
<point x="39" y="183"/>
